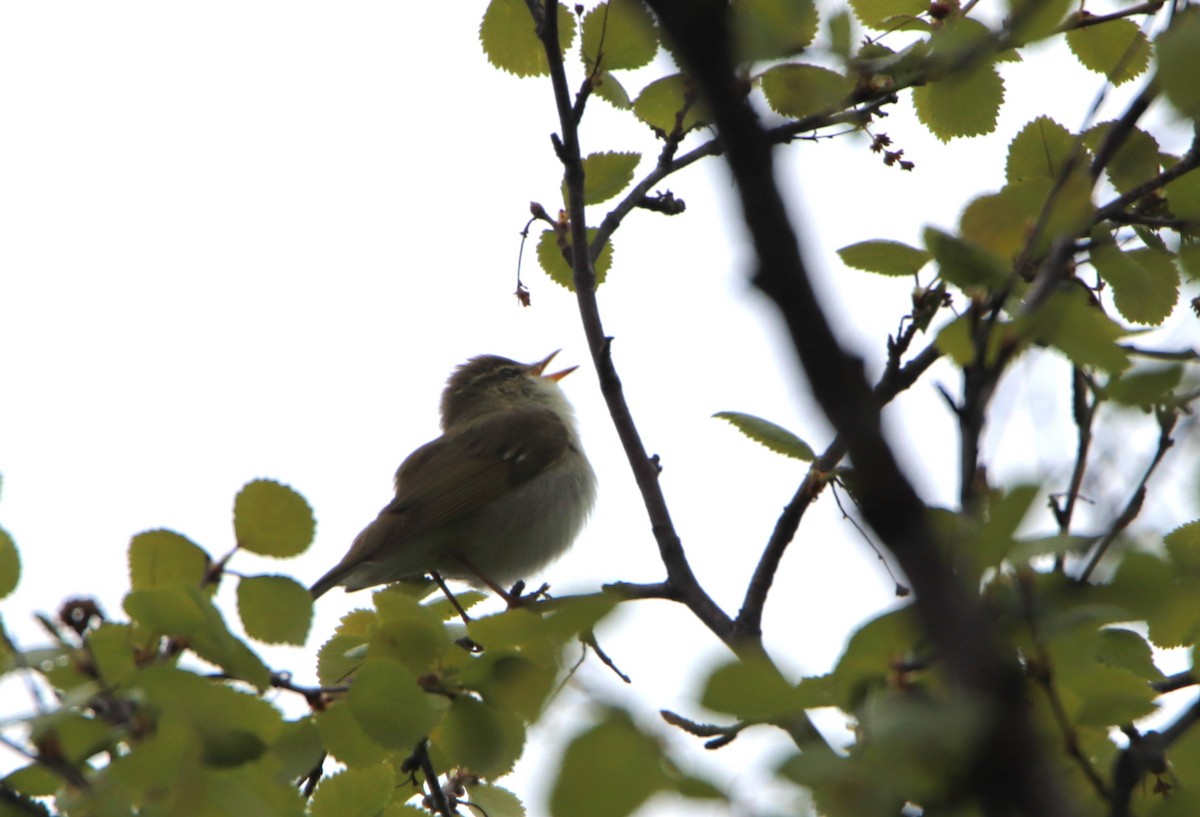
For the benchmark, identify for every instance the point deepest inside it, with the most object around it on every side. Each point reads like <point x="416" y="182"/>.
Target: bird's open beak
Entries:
<point x="541" y="365"/>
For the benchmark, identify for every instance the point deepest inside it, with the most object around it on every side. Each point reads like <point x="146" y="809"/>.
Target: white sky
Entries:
<point x="251" y="239"/>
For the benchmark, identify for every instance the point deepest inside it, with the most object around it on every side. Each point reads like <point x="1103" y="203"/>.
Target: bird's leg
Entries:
<point x="512" y="597"/>
<point x="453" y="600"/>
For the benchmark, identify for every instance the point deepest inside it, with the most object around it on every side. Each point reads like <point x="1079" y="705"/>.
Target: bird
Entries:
<point x="504" y="491"/>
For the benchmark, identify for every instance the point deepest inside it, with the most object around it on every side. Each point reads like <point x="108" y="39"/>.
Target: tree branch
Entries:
<point x="680" y="577"/>
<point x="1009" y="771"/>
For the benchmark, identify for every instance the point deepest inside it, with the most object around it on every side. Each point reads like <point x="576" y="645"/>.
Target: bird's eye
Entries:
<point x="509" y="373"/>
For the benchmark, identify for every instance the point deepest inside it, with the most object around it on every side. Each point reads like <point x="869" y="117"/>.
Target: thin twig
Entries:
<point x="1166" y="424"/>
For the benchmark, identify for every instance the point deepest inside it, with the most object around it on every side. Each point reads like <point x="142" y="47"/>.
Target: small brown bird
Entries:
<point x="503" y="492"/>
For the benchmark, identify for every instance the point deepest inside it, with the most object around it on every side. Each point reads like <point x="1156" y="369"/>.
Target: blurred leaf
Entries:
<point x="163" y="558"/>
<point x="298" y="748"/>
<point x="1117" y="49"/>
<point x="1034" y="19"/>
<point x="961" y="104"/>
<point x="1183" y="545"/>
<point x="272" y="519"/>
<point x="1136" y="161"/>
<point x="797" y="90"/>
<point x="766" y="433"/>
<point x="1144" y="387"/>
<point x="1145" y="283"/>
<point x="749" y="689"/>
<point x="275" y="609"/>
<point x="608" y="771"/>
<point x="840" y="33"/>
<point x="186" y="613"/>
<point x="235" y="727"/>
<point x="887" y="14"/>
<point x="963" y="264"/>
<point x="956" y="340"/>
<point x="1041" y="150"/>
<point x="495" y="801"/>
<point x="884" y="257"/>
<point x="605" y="175"/>
<point x="661" y="104"/>
<point x="511" y="680"/>
<point x="390" y="704"/>
<point x="355" y="792"/>
<point x="551" y="259"/>
<point x="621" y="33"/>
<point x="771" y="29"/>
<point x="1183" y="196"/>
<point x="483" y="738"/>
<point x="406" y="630"/>
<point x="1127" y="650"/>
<point x="10" y="564"/>
<point x="111" y="647"/>
<point x="334" y="661"/>
<point x="509" y="37"/>
<point x="996" y="223"/>
<point x="34" y="780"/>
<point x="345" y="739"/>
<point x="1071" y="323"/>
<point x="870" y="655"/>
<point x="1178" y="53"/>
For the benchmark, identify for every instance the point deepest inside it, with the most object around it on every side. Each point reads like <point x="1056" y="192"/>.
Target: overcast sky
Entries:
<point x="251" y="239"/>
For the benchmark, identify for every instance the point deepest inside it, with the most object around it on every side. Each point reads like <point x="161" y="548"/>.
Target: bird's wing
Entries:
<point x="467" y="469"/>
<point x="454" y="475"/>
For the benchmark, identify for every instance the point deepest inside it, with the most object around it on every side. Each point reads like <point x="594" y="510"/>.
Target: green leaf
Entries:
<point x="840" y="33"/>
<point x="884" y="257"/>
<point x="355" y="792"/>
<point x="1127" y="650"/>
<point x="10" y="564"/>
<point x="1145" y="387"/>
<point x="1145" y="283"/>
<point x="1189" y="261"/>
<point x="1183" y="196"/>
<point x="1183" y="545"/>
<point x="997" y="223"/>
<point x="111" y="647"/>
<point x="766" y="433"/>
<point x="962" y="104"/>
<point x="963" y="264"/>
<point x="772" y="29"/>
<point x="605" y="175"/>
<point x="1136" y="161"/>
<point x="1035" y="19"/>
<point x="870" y="654"/>
<point x="163" y="558"/>
<point x="751" y="689"/>
<point x="798" y="90"/>
<point x="511" y="680"/>
<point x="956" y="340"/>
<point x="480" y="737"/>
<point x="1117" y="49"/>
<point x="551" y="259"/>
<point x="495" y="801"/>
<point x="1075" y="326"/>
<point x="618" y="34"/>
<point x="390" y="705"/>
<point x="669" y="103"/>
<point x="888" y="13"/>
<point x="1040" y="151"/>
<point x="345" y="739"/>
<point x="1107" y="697"/>
<point x="1178" y="53"/>
<point x="275" y="609"/>
<point x="509" y="37"/>
<point x="408" y="631"/>
<point x="272" y="519"/>
<point x="609" y="88"/>
<point x="186" y="613"/>
<point x="608" y="771"/>
<point x="34" y="780"/>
